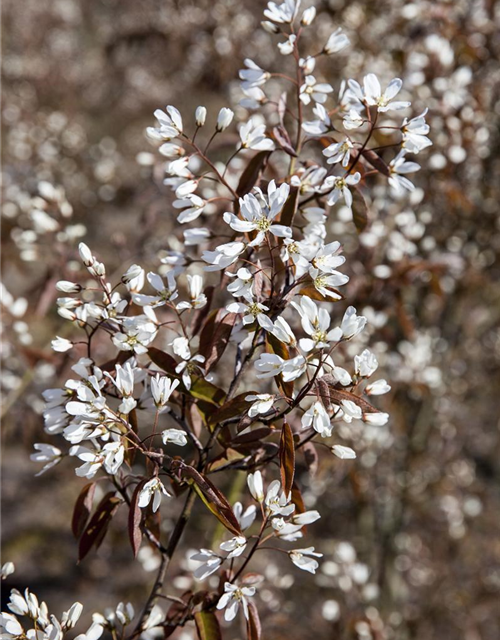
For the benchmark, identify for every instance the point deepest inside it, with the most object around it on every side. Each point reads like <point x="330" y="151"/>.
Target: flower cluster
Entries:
<point x="237" y="346"/>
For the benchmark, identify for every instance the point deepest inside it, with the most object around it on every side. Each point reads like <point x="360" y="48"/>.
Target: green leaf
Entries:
<point x="204" y="390"/>
<point x="207" y="625"/>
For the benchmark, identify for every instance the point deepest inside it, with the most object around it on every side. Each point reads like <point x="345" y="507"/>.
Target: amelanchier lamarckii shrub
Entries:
<point x="247" y="302"/>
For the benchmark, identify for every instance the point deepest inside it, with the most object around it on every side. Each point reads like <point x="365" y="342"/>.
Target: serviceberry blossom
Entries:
<point x="232" y="598"/>
<point x="228" y="346"/>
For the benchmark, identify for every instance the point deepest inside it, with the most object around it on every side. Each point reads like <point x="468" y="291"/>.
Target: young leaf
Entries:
<point x="250" y="175"/>
<point x="376" y="161"/>
<point x="359" y="211"/>
<point x="213" y="499"/>
<point x="287" y="458"/>
<point x="163" y="360"/>
<point x="134" y="520"/>
<point x="98" y="525"/>
<point x="234" y="407"/>
<point x="83" y="507"/>
<point x="290" y="207"/>
<point x="254" y="628"/>
<point x="214" y="348"/>
<point x="207" y="625"/>
<point x="204" y="390"/>
<point x="281" y="136"/>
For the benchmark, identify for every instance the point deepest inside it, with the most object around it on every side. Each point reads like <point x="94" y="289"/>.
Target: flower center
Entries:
<point x="263" y="224"/>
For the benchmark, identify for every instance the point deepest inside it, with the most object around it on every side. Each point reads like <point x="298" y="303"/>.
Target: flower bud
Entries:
<point x="65" y="286"/>
<point x="224" y="119"/>
<point x="85" y="254"/>
<point x="270" y="27"/>
<point x="336" y="42"/>
<point x="201" y="116"/>
<point x="73" y="615"/>
<point x="308" y="16"/>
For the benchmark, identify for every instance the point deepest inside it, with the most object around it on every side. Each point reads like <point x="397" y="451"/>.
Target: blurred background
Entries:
<point x="410" y="530"/>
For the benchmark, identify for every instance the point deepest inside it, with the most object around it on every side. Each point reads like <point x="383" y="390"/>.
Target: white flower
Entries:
<point x="65" y="286"/>
<point x="223" y="256"/>
<point x="133" y="278"/>
<point x="245" y="518"/>
<point x="10" y="626"/>
<point x="171" y="150"/>
<point x="280" y="329"/>
<point x="175" y="436"/>
<point x="262" y="403"/>
<point x="374" y="96"/>
<point x="318" y="417"/>
<point x="350" y="411"/>
<point x="352" y="120"/>
<point x="94" y="632"/>
<point x="200" y="116"/>
<point x="308" y="16"/>
<point x="253" y="136"/>
<point x="232" y="598"/>
<point x="339" y="152"/>
<point x="284" y="13"/>
<point x="210" y="563"/>
<point x="192" y="207"/>
<point x="197" y="299"/>
<point x="253" y="76"/>
<point x="268" y="365"/>
<point x="306" y="517"/>
<point x="328" y="258"/>
<point x="235" y="546"/>
<point x="311" y="89"/>
<point x="190" y="363"/>
<point x="341" y="188"/>
<point x="286" y="48"/>
<point x="242" y="286"/>
<point x="165" y="294"/>
<point x="365" y="364"/>
<point x="258" y="214"/>
<point x="277" y="503"/>
<point x="70" y="618"/>
<point x="252" y="310"/>
<point x="162" y="388"/>
<point x="321" y="125"/>
<point x="316" y="323"/>
<point x="193" y="237"/>
<point x="294" y="368"/>
<point x="336" y="42"/>
<point x="85" y="255"/>
<point x="152" y="490"/>
<point x="304" y="559"/>
<point x="415" y="133"/>
<point x="46" y="453"/>
<point x="170" y="124"/>
<point x="324" y="283"/>
<point x="376" y="419"/>
<point x="345" y="453"/>
<point x="111" y="456"/>
<point x="398" y="167"/>
<point x="8" y="569"/>
<point x="61" y="344"/>
<point x="378" y="388"/>
<point x="256" y="486"/>
<point x="351" y="323"/>
<point x="224" y="119"/>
